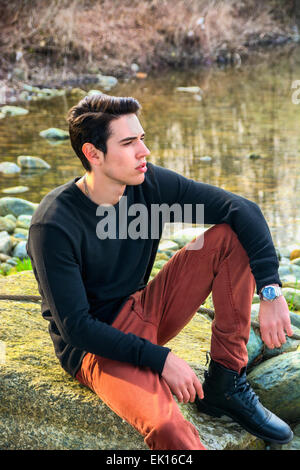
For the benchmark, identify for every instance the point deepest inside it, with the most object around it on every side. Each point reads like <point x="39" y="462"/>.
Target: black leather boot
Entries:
<point x="228" y="393"/>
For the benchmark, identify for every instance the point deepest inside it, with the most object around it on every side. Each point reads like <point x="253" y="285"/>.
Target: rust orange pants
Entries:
<point x="158" y="313"/>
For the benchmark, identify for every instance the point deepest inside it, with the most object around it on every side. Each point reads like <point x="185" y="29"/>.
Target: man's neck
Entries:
<point x="99" y="190"/>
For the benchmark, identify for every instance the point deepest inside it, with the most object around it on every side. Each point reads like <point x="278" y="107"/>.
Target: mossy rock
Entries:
<point x="34" y="163"/>
<point x="277" y="382"/>
<point x="16" y="206"/>
<point x="53" y="133"/>
<point x="42" y="407"/>
<point x="9" y="110"/>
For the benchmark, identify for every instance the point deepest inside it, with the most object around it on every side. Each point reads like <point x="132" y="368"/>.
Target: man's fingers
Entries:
<point x="266" y="337"/>
<point x="179" y="396"/>
<point x="275" y="341"/>
<point x="276" y="336"/>
<point x="198" y="388"/>
<point x="288" y="329"/>
<point x="281" y="337"/>
<point x="186" y="395"/>
<point x="192" y="393"/>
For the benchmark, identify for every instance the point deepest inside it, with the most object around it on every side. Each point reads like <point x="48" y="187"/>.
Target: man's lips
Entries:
<point x="142" y="167"/>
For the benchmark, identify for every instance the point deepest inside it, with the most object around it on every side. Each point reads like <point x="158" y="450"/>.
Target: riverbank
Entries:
<point x="68" y="43"/>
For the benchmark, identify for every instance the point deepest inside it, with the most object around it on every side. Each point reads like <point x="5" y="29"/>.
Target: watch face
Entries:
<point x="269" y="292"/>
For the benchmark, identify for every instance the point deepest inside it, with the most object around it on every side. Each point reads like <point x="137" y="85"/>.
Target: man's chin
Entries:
<point x="137" y="180"/>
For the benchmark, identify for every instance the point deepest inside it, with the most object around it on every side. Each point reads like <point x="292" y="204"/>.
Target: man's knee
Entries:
<point x="223" y="230"/>
<point x="212" y="238"/>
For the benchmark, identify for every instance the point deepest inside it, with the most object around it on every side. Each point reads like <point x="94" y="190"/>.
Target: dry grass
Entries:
<point x="111" y="35"/>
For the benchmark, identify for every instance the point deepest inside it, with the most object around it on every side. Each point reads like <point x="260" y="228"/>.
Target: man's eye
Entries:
<point x="131" y="141"/>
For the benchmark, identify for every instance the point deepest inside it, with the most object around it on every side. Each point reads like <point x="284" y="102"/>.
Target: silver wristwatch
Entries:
<point x="270" y="293"/>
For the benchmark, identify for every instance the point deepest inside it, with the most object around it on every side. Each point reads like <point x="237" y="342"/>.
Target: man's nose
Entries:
<point x="143" y="149"/>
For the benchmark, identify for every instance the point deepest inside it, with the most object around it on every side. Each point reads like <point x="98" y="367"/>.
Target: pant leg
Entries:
<point x="137" y="394"/>
<point x="222" y="267"/>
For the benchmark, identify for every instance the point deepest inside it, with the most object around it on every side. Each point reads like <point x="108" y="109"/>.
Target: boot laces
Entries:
<point x="245" y="391"/>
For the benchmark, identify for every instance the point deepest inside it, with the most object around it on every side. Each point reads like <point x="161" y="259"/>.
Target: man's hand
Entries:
<point x="274" y="320"/>
<point x="181" y="379"/>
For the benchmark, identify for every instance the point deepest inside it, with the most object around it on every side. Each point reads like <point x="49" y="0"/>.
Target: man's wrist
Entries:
<point x="270" y="292"/>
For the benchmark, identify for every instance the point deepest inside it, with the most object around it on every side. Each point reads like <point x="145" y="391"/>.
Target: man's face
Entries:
<point x="126" y="152"/>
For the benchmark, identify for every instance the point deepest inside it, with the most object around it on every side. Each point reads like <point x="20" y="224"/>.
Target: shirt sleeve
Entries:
<point x="220" y="206"/>
<point x="62" y="288"/>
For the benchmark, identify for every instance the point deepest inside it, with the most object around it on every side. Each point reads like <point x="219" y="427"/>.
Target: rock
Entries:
<point x="53" y="133"/>
<point x="42" y="407"/>
<point x="289" y="274"/>
<point x="285" y="251"/>
<point x="36" y="93"/>
<point x="4" y="258"/>
<point x="287" y="269"/>
<point x="277" y="382"/>
<point x="292" y="296"/>
<point x="20" y="236"/>
<point x="5" y="268"/>
<point x="12" y="262"/>
<point x="197" y="97"/>
<point x="21" y="231"/>
<point x="206" y="158"/>
<point x="16" y="206"/>
<point x="189" y="89"/>
<point x="254" y="346"/>
<point x="167" y="245"/>
<point x="107" y="81"/>
<point x="94" y="92"/>
<point x="159" y="263"/>
<point x="9" y="168"/>
<point x="295" y="254"/>
<point x="184" y="236"/>
<point x="134" y="67"/>
<point x="11" y="217"/>
<point x="295" y="319"/>
<point x="15" y="190"/>
<point x="23" y="221"/>
<point x="78" y="91"/>
<point x="5" y="243"/>
<point x="284" y="261"/>
<point x="20" y="250"/>
<point x="13" y="110"/>
<point x="7" y="225"/>
<point x="27" y="161"/>
<point x="290" y="280"/>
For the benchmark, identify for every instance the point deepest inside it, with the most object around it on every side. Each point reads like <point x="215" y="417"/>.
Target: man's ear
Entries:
<point x="93" y="155"/>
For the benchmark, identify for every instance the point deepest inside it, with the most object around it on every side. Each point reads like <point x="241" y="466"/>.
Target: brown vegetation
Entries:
<point x="110" y="35"/>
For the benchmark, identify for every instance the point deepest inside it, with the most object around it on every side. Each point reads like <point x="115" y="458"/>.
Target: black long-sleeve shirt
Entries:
<point x="84" y="280"/>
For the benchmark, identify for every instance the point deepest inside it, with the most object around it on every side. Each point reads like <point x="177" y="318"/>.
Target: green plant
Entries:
<point x="23" y="265"/>
<point x="290" y="301"/>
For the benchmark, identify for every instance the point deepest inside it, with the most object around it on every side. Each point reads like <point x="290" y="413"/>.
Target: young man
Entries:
<point x="109" y="325"/>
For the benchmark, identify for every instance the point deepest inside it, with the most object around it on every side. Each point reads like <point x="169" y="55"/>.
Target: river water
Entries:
<point x="239" y="111"/>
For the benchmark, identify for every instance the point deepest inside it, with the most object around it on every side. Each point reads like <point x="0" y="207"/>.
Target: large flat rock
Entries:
<point x="42" y="407"/>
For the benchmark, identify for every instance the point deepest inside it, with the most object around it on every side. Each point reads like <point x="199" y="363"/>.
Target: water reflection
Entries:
<point x="242" y="111"/>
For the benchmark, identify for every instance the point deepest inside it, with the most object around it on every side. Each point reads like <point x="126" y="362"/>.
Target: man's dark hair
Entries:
<point x="89" y="121"/>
